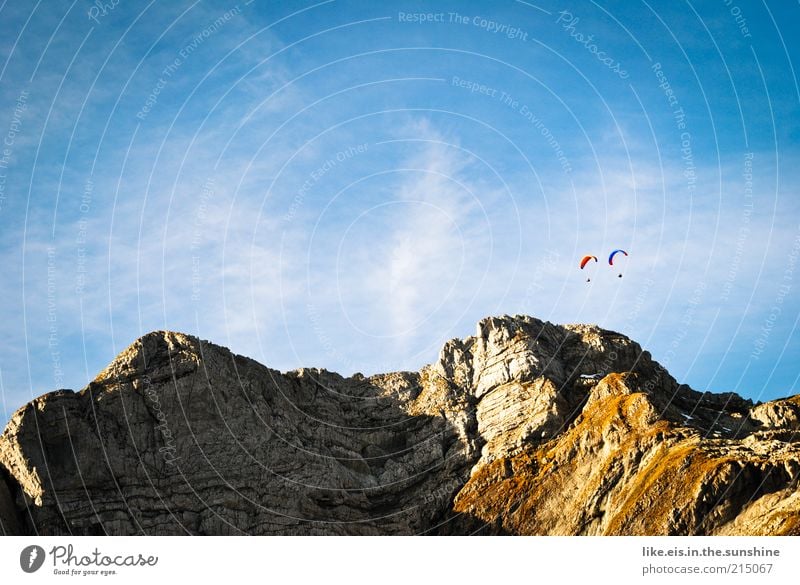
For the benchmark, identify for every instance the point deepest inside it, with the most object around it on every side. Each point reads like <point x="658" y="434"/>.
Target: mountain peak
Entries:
<point x="527" y="427"/>
<point x="150" y="354"/>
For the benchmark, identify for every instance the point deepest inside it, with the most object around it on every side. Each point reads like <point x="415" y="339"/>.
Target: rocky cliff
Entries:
<point x="525" y="428"/>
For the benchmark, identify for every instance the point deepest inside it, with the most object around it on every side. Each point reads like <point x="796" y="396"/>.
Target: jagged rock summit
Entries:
<point x="526" y="428"/>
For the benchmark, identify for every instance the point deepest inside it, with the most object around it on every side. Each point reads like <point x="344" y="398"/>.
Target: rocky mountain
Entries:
<point x="525" y="428"/>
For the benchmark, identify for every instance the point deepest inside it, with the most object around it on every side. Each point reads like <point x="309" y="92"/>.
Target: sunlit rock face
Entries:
<point x="526" y="428"/>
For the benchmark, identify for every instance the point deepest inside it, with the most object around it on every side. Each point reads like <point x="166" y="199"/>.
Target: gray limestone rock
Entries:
<point x="526" y="428"/>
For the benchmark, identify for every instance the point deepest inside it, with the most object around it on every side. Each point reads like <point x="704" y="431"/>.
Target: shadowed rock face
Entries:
<point x="525" y="428"/>
<point x="9" y="523"/>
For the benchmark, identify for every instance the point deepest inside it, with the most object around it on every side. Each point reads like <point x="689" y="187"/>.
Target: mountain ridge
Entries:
<point x="524" y="428"/>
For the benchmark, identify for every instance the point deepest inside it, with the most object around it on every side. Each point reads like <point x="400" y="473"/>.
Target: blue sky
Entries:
<point x="349" y="184"/>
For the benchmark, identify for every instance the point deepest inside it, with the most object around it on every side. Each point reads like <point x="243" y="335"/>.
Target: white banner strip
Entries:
<point x="370" y="560"/>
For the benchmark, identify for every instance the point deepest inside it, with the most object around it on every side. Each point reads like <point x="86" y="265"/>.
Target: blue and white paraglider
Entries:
<point x="611" y="259"/>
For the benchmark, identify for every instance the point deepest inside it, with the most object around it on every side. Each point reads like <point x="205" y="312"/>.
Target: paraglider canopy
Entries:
<point x="585" y="260"/>
<point x="614" y="253"/>
<point x="611" y="259"/>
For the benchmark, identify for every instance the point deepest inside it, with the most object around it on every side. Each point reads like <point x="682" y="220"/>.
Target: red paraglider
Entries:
<point x="585" y="260"/>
